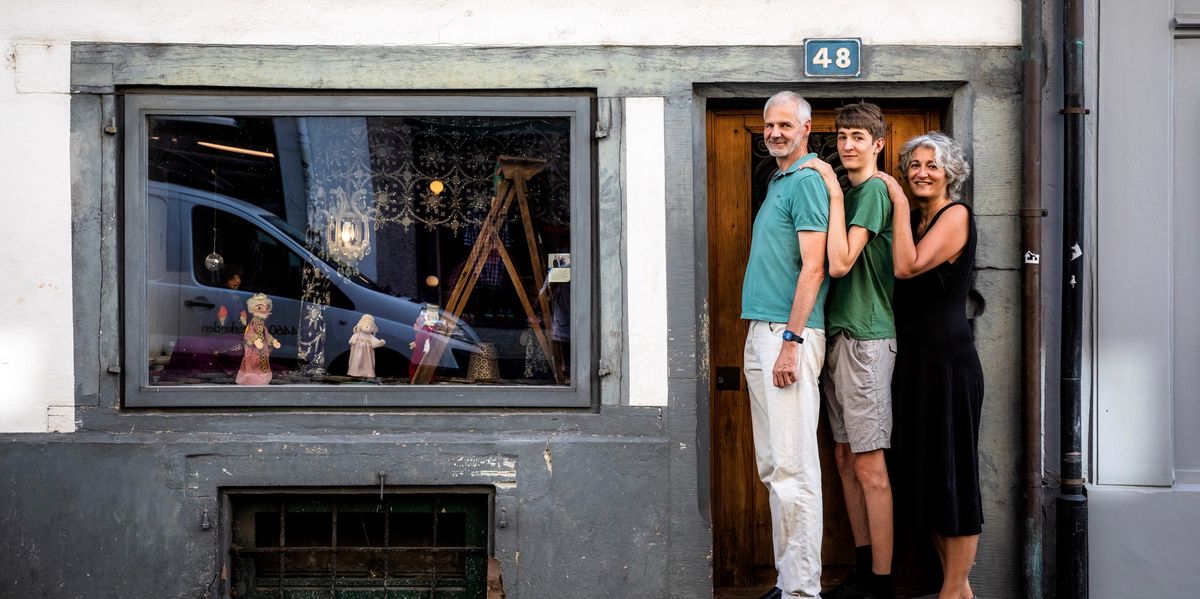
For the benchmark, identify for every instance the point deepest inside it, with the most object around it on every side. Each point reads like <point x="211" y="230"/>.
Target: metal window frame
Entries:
<point x="138" y="393"/>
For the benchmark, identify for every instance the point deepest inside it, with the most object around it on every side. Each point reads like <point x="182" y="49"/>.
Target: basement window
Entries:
<point x="359" y="545"/>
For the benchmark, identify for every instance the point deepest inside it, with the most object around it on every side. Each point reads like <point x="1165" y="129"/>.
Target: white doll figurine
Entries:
<point x="257" y="343"/>
<point x="362" y="347"/>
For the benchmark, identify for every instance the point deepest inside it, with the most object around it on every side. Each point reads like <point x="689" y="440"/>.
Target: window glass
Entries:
<point x="341" y="250"/>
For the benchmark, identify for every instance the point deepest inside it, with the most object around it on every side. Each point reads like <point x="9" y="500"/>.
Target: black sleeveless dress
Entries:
<point x="937" y="394"/>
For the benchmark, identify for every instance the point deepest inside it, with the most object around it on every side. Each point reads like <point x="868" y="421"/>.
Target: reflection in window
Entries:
<point x="451" y="233"/>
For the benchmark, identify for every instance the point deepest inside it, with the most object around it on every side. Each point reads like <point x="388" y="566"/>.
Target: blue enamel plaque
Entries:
<point x="835" y="57"/>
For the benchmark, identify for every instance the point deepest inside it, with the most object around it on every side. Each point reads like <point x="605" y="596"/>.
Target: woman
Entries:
<point x="938" y="384"/>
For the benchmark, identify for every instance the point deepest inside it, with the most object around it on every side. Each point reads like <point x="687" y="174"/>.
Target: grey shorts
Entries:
<point x="858" y="391"/>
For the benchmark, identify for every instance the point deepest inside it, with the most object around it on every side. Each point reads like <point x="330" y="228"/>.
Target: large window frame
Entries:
<point x="139" y="393"/>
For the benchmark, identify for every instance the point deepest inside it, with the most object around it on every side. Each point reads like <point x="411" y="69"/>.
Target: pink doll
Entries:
<point x="257" y="344"/>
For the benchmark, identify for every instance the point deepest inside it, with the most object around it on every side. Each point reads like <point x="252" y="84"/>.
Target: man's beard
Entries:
<point x="777" y="152"/>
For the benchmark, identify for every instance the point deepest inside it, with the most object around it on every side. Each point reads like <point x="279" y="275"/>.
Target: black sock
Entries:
<point x="862" y="559"/>
<point x="881" y="584"/>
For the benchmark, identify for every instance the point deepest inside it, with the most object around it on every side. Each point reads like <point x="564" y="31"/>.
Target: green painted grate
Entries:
<point x="359" y="546"/>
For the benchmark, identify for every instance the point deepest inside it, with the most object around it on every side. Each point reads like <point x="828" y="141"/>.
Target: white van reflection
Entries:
<point x="195" y="314"/>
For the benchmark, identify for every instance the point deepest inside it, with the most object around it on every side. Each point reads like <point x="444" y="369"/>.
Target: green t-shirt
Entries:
<point x="860" y="303"/>
<point x="796" y="201"/>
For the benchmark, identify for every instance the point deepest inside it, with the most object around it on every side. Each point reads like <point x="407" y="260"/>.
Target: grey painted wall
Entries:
<point x="1132" y="256"/>
<point x="1144" y="499"/>
<point x="120" y="517"/>
<point x="1142" y="542"/>
<point x="1185" y="277"/>
<point x="623" y="512"/>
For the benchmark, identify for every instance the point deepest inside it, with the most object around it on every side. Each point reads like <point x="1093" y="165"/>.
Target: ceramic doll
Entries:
<point x="257" y="344"/>
<point x="425" y="332"/>
<point x="362" y="347"/>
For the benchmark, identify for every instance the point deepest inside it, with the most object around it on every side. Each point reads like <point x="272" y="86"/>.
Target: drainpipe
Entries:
<point x="1032" y="212"/>
<point x="1071" y="504"/>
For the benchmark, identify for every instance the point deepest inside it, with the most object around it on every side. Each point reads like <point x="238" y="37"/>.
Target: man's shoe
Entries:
<point x="774" y="593"/>
<point x="853" y="586"/>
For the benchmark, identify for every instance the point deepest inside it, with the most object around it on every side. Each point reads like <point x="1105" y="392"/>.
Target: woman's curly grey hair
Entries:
<point x="946" y="154"/>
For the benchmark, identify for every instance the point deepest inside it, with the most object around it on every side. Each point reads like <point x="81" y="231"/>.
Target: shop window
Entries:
<point x="369" y="546"/>
<point x="358" y="246"/>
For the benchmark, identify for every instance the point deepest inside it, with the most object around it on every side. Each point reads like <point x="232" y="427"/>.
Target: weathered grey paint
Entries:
<point x="623" y="513"/>
<point x="130" y="524"/>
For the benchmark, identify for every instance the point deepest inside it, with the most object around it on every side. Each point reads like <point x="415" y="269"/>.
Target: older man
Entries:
<point x="783" y="297"/>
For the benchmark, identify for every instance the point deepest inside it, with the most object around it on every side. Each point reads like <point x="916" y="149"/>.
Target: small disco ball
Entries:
<point x="213" y="262"/>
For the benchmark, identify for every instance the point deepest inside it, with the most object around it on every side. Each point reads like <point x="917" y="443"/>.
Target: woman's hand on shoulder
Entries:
<point x="895" y="191"/>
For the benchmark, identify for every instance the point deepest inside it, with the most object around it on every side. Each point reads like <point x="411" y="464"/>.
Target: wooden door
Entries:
<point x="738" y="170"/>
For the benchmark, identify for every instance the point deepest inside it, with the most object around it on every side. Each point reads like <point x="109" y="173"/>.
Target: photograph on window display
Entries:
<point x="389" y="250"/>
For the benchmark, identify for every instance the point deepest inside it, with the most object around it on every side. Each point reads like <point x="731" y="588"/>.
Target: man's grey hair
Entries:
<point x="803" y="109"/>
<point x="946" y="154"/>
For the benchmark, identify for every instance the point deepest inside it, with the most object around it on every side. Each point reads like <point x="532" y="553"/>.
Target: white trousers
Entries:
<point x="785" y="448"/>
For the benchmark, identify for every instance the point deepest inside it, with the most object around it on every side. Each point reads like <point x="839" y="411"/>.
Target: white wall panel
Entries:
<point x="646" y="249"/>
<point x="36" y="340"/>
<point x="517" y="22"/>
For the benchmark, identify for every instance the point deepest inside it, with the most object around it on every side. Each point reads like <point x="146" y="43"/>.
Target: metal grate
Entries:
<point x="359" y="546"/>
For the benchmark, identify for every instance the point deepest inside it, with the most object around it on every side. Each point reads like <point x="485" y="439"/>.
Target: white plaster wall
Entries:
<point x="36" y="387"/>
<point x="513" y="22"/>
<point x="35" y="240"/>
<point x="646" y="250"/>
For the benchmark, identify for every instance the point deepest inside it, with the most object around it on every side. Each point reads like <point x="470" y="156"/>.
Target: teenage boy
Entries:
<point x="862" y="345"/>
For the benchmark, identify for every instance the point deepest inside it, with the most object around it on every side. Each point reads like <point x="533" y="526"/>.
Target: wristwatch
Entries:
<point x="790" y="336"/>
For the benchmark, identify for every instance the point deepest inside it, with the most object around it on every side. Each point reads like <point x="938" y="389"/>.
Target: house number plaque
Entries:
<point x="833" y="57"/>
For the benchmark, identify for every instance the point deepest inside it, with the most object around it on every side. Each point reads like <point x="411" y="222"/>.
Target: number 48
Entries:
<point x="842" y="58"/>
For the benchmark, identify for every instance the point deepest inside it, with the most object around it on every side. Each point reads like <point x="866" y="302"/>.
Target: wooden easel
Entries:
<point x="514" y="173"/>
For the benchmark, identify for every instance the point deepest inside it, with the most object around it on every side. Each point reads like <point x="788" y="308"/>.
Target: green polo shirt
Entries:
<point x="796" y="201"/>
<point x="860" y="303"/>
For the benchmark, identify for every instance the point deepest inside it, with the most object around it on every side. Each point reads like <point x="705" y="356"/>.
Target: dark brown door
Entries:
<point x="738" y="169"/>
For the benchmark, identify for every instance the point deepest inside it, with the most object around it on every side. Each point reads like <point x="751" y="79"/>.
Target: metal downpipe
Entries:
<point x="1032" y="213"/>
<point x="1071" y="503"/>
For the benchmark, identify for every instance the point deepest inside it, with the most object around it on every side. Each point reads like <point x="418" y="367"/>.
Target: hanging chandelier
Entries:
<point x="348" y="231"/>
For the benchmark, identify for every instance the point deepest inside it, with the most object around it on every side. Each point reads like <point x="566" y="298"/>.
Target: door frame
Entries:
<point x="941" y="102"/>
